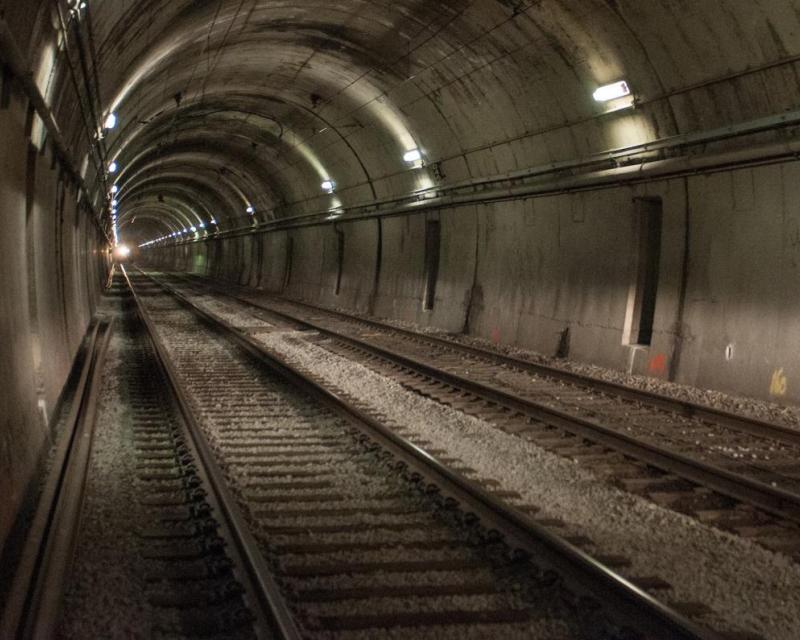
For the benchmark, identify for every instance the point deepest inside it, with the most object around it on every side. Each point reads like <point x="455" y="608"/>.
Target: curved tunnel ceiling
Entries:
<point x="225" y="104"/>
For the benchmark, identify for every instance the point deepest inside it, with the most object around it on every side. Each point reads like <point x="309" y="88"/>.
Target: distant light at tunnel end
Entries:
<point x="121" y="252"/>
<point x="612" y="91"/>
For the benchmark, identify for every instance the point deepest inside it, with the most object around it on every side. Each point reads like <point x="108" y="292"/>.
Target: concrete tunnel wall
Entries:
<point x="51" y="273"/>
<point x="520" y="272"/>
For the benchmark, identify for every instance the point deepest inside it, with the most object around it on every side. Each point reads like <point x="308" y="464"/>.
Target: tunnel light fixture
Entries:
<point x="250" y="210"/>
<point x="194" y="229"/>
<point x="110" y="122"/>
<point x="336" y="212"/>
<point x="75" y="8"/>
<point x="412" y="156"/>
<point x="212" y="221"/>
<point x="202" y="225"/>
<point x="612" y="91"/>
<point x="112" y="168"/>
<point x="329" y="186"/>
<point x="114" y="203"/>
<point x="114" y="189"/>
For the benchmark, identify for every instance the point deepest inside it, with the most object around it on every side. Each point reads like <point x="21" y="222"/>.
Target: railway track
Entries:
<point x="681" y="455"/>
<point x="365" y="532"/>
<point x="205" y="573"/>
<point x="191" y="553"/>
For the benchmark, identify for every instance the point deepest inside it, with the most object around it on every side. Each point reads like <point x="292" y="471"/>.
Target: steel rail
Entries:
<point x="34" y="604"/>
<point x="584" y="575"/>
<point x="783" y="504"/>
<point x="684" y="408"/>
<point x="273" y="614"/>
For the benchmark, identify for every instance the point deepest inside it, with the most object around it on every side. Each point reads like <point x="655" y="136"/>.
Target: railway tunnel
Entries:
<point x="370" y="319"/>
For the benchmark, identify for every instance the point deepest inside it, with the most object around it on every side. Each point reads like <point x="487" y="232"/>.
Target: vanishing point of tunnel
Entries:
<point x="410" y="319"/>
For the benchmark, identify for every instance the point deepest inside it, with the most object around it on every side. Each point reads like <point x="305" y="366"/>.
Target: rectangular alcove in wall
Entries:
<point x="433" y="239"/>
<point x="645" y="257"/>
<point x="287" y="267"/>
<point x="339" y="259"/>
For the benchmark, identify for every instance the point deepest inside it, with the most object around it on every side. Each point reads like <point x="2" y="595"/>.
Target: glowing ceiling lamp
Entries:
<point x="111" y="121"/>
<point x="329" y="186"/>
<point x="112" y="168"/>
<point x="612" y="91"/>
<point x="412" y="156"/>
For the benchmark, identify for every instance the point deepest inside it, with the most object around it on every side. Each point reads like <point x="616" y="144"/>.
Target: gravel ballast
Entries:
<point x="231" y="397"/>
<point x="746" y="586"/>
<point x="788" y="415"/>
<point x="105" y="595"/>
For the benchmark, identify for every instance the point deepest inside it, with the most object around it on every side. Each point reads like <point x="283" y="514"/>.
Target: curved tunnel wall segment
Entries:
<point x="53" y="262"/>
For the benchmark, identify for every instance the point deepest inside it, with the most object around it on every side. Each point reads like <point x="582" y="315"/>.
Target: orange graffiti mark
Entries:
<point x="658" y="364"/>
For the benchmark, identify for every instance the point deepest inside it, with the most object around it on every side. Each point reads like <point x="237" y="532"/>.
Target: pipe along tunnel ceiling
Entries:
<point x="235" y="112"/>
